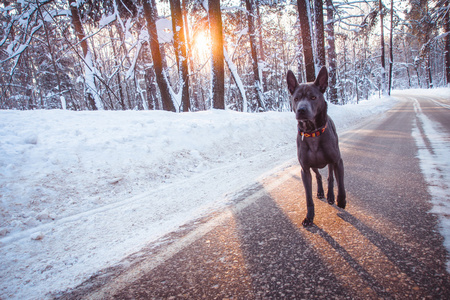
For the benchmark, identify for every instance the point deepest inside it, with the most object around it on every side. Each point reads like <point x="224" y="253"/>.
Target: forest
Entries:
<point x="191" y="55"/>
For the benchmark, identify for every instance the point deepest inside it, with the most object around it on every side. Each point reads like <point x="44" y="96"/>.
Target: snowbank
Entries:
<point x="81" y="190"/>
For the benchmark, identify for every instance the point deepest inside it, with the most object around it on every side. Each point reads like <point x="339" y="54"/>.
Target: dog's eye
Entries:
<point x="313" y="97"/>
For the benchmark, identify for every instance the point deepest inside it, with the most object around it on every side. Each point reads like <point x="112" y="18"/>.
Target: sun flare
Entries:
<point x="201" y="41"/>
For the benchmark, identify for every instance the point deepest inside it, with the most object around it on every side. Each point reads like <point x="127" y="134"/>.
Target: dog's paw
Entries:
<point x="330" y="197"/>
<point x="330" y="200"/>
<point x="321" y="195"/>
<point x="307" y="222"/>
<point x="341" y="202"/>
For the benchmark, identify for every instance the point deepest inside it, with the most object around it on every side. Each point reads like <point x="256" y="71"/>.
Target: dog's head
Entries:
<point x="307" y="99"/>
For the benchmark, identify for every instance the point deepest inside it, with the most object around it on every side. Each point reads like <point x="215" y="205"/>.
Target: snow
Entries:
<point x="164" y="29"/>
<point x="80" y="191"/>
<point x="107" y="20"/>
<point x="435" y="163"/>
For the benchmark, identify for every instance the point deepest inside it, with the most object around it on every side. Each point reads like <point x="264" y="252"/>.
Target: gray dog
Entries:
<point x="317" y="140"/>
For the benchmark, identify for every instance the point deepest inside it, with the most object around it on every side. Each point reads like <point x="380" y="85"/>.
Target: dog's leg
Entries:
<point x="339" y="172"/>
<point x="330" y="193"/>
<point x="307" y="184"/>
<point x="320" y="192"/>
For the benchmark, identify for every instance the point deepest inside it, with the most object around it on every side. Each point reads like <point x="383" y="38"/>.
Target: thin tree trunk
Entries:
<point x="391" y="48"/>
<point x="151" y="16"/>
<point x="119" y="81"/>
<point x="233" y="70"/>
<point x="94" y="100"/>
<point x="332" y="91"/>
<point x="261" y="47"/>
<point x="383" y="56"/>
<point x="217" y="61"/>
<point x="430" y="78"/>
<point x="251" y="31"/>
<point x="306" y="39"/>
<point x="181" y="52"/>
<point x="320" y="43"/>
<point x="447" y="42"/>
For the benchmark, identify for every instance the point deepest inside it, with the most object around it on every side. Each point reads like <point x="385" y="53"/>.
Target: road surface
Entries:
<point x="385" y="244"/>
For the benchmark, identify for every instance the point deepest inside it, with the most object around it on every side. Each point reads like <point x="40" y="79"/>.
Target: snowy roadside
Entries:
<point x="433" y="154"/>
<point x="81" y="190"/>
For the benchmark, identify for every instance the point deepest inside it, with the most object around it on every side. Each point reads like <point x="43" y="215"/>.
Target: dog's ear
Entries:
<point x="322" y="80"/>
<point x="291" y="82"/>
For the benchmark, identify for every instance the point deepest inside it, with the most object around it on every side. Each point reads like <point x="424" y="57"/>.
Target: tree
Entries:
<point x="447" y="41"/>
<point x="332" y="64"/>
<point x="303" y="9"/>
<point x="151" y="15"/>
<point x="252" y="34"/>
<point x="94" y="99"/>
<point x="217" y="59"/>
<point x="180" y="45"/>
<point x="320" y="44"/>
<point x="383" y="55"/>
<point x="391" y="48"/>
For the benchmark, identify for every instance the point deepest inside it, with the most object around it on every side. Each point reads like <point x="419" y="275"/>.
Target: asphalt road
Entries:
<point x="383" y="245"/>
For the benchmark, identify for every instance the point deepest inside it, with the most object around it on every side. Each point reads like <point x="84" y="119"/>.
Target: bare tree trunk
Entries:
<point x="233" y="70"/>
<point x="391" y="48"/>
<point x="151" y="16"/>
<point x="181" y="52"/>
<point x="251" y="31"/>
<point x="383" y="56"/>
<point x="447" y="42"/>
<point x="94" y="100"/>
<point x="332" y="91"/>
<point x="430" y="77"/>
<point x="306" y="39"/>
<point x="320" y="42"/>
<point x="119" y="81"/>
<point x="217" y="61"/>
<point x="261" y="47"/>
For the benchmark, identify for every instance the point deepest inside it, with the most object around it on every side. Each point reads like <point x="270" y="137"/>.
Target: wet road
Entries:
<point x="383" y="245"/>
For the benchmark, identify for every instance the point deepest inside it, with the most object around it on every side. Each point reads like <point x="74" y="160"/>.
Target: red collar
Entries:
<point x="312" y="134"/>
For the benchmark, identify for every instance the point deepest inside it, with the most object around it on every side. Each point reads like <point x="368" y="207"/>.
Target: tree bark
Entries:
<point x="151" y="15"/>
<point x="252" y="34"/>
<point x="217" y="61"/>
<point x="332" y="91"/>
<point x="383" y="56"/>
<point x="306" y="39"/>
<point x="180" y="45"/>
<point x="447" y="42"/>
<point x="391" y="48"/>
<point x="320" y="43"/>
<point x="94" y="101"/>
<point x="261" y="47"/>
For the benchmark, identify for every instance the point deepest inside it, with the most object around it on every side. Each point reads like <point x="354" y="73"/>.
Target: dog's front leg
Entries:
<point x="339" y="172"/>
<point x="307" y="184"/>
<point x="330" y="193"/>
<point x="320" y="192"/>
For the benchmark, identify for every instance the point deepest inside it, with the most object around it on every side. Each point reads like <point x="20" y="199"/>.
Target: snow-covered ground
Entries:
<point x="434" y="155"/>
<point x="80" y="191"/>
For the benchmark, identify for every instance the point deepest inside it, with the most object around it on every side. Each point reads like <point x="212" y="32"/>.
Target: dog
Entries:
<point x="317" y="140"/>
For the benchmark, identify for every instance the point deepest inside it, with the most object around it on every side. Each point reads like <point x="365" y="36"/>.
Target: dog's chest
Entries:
<point x="312" y="154"/>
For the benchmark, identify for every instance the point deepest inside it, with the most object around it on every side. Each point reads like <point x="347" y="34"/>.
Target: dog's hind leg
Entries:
<point x="339" y="172"/>
<point x="330" y="193"/>
<point x="320" y="192"/>
<point x="307" y="183"/>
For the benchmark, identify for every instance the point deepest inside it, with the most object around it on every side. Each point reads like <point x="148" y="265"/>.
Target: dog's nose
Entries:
<point x="301" y="110"/>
